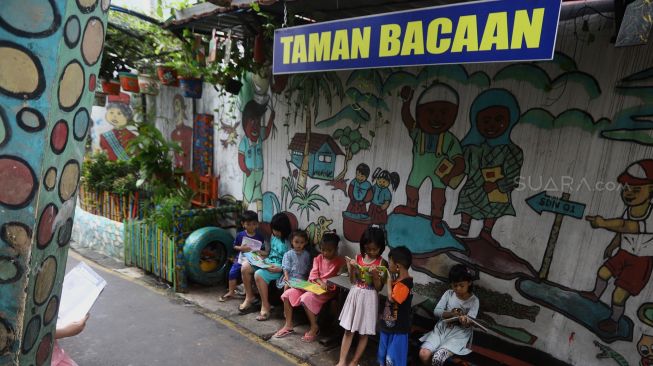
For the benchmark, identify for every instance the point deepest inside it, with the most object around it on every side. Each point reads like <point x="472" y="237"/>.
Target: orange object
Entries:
<point x="205" y="188"/>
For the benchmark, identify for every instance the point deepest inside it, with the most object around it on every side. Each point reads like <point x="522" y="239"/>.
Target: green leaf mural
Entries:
<point x="529" y="73"/>
<point x="587" y="81"/>
<point x="370" y="100"/>
<point x="353" y="113"/>
<point x="569" y="118"/>
<point x="367" y="81"/>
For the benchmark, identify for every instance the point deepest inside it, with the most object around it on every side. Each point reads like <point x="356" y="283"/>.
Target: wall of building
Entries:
<point x="571" y="126"/>
<point x="50" y="54"/>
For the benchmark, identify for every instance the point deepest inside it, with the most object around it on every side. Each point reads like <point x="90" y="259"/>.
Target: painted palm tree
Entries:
<point x="308" y="91"/>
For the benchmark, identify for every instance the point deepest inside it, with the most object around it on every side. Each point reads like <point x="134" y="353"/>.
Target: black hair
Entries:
<point x="373" y="234"/>
<point x="280" y="222"/>
<point x="125" y="109"/>
<point x="393" y="177"/>
<point x="459" y="273"/>
<point x="300" y="233"/>
<point x="253" y="111"/>
<point x="401" y="255"/>
<point x="364" y="169"/>
<point x="331" y="238"/>
<point x="249" y="216"/>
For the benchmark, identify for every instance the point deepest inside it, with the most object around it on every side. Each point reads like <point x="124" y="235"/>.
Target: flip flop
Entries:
<point x="246" y="308"/>
<point x="310" y="338"/>
<point x="283" y="332"/>
<point x="263" y="317"/>
<point x="226" y="297"/>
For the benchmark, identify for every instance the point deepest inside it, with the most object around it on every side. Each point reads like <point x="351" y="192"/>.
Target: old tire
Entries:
<point x="210" y="238"/>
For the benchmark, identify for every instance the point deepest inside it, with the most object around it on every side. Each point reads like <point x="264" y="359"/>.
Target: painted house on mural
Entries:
<point x="323" y="153"/>
<point x="527" y="177"/>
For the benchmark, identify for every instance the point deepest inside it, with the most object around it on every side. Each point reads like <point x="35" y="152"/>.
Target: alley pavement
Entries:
<point x="136" y="325"/>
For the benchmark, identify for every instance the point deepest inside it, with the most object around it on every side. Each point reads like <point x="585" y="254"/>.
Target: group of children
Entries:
<point x="368" y="273"/>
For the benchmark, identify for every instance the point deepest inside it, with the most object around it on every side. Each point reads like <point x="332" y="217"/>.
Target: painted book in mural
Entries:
<point x="256" y="260"/>
<point x="306" y="286"/>
<point x="81" y="288"/>
<point x="492" y="175"/>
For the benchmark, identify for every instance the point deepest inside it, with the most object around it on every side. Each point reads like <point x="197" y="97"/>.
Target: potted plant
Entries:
<point x="129" y="81"/>
<point x="167" y="75"/>
<point x="146" y="81"/>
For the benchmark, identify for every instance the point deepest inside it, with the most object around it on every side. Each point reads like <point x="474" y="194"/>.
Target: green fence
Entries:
<point x="150" y="249"/>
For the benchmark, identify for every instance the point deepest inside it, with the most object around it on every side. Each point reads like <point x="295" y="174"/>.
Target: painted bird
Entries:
<point x="232" y="134"/>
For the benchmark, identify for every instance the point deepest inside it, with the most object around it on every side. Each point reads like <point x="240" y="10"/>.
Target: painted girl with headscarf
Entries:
<point x="492" y="162"/>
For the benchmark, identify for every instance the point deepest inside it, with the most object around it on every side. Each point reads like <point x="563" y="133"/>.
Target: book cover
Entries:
<point x="253" y="244"/>
<point x="306" y="285"/>
<point x="256" y="260"/>
<point x="493" y="174"/>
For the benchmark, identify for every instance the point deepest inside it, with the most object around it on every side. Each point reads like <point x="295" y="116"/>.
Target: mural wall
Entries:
<point x="537" y="175"/>
<point x="49" y="57"/>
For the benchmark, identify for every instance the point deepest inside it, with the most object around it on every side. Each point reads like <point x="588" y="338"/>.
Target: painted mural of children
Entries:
<point x="250" y="152"/>
<point x="119" y="114"/>
<point x="492" y="162"/>
<point x="437" y="154"/>
<point x="359" y="193"/>
<point x="632" y="264"/>
<point x="381" y="195"/>
<point x="182" y="134"/>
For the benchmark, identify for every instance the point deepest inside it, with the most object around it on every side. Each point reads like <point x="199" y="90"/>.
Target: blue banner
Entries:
<point x="485" y="31"/>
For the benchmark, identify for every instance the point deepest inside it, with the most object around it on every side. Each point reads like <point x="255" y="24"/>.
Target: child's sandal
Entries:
<point x="308" y="338"/>
<point x="283" y="332"/>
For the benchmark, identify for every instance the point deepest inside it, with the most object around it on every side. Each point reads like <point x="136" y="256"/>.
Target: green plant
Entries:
<point x="102" y="175"/>
<point x="307" y="201"/>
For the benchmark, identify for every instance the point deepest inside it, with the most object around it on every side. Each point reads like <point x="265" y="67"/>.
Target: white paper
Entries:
<point x="251" y="243"/>
<point x="81" y="287"/>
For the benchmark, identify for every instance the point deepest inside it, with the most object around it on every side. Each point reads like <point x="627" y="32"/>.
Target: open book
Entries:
<point x="253" y="244"/>
<point x="472" y="320"/>
<point x="81" y="288"/>
<point x="306" y="285"/>
<point x="256" y="260"/>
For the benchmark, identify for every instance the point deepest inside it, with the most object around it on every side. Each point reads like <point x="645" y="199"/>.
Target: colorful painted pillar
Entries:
<point x="50" y="53"/>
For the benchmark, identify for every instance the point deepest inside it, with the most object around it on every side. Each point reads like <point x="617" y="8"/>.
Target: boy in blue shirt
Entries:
<point x="246" y="241"/>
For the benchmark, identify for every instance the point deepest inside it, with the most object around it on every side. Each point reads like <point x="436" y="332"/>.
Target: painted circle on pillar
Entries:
<point x="31" y="334"/>
<point x="50" y="179"/>
<point x="10" y="270"/>
<point x="45" y="280"/>
<point x="17" y="235"/>
<point x="18" y="182"/>
<point x="65" y="232"/>
<point x="51" y="310"/>
<point x="30" y="119"/>
<point x="92" y="41"/>
<point x="72" y="31"/>
<point x="92" y="82"/>
<point x="44" y="232"/>
<point x="21" y="73"/>
<point x="105" y="5"/>
<point x="71" y="86"/>
<point x="6" y="336"/>
<point x="43" y="352"/>
<point x="41" y="20"/>
<point x="81" y="122"/>
<point x="59" y="137"/>
<point x="5" y="131"/>
<point x="69" y="180"/>
<point x="86" y="6"/>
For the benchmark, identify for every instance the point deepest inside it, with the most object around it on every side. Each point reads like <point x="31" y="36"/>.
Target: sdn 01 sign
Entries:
<point x="485" y="31"/>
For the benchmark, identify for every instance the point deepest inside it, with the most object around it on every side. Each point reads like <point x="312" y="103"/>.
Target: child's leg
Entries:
<point x="360" y="348"/>
<point x="440" y="357"/>
<point x="287" y="313"/>
<point x="247" y="273"/>
<point x="425" y="355"/>
<point x="312" y="319"/>
<point x="263" y="292"/>
<point x="384" y="339"/>
<point x="344" y="347"/>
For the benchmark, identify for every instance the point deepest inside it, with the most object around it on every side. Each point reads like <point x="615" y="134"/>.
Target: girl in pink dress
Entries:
<point x="325" y="266"/>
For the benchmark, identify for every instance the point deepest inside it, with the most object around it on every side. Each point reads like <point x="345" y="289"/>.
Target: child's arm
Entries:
<point x="286" y="276"/>
<point x="406" y="116"/>
<point x="352" y="268"/>
<point x="377" y="276"/>
<point x="389" y="288"/>
<point x="615" y="225"/>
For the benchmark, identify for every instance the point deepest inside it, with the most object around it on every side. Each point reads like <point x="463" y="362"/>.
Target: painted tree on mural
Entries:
<point x="308" y="91"/>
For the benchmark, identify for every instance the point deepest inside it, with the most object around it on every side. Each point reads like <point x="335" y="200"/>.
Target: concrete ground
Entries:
<point x="137" y="322"/>
<point x="187" y="327"/>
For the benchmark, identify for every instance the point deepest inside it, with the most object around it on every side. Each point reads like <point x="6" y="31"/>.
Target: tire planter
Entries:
<point x="147" y="84"/>
<point x="191" y="87"/>
<point x="111" y="87"/>
<point x="167" y="75"/>
<point x="129" y="82"/>
<point x="197" y="242"/>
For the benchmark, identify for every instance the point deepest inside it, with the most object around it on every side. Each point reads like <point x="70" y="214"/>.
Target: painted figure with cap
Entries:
<point x="437" y="154"/>
<point x="632" y="263"/>
<point x="119" y="115"/>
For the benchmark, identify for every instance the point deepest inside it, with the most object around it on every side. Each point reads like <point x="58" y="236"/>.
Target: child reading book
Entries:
<point x="325" y="266"/>
<point x="359" y="314"/>
<point x="395" y="321"/>
<point x="246" y="241"/>
<point x="296" y="263"/>
<point x="451" y="337"/>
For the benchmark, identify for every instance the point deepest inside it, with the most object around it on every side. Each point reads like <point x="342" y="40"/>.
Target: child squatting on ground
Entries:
<point x="281" y="228"/>
<point x="325" y="266"/>
<point x="451" y="337"/>
<point x="249" y="222"/>
<point x="359" y="314"/>
<point x="396" y="318"/>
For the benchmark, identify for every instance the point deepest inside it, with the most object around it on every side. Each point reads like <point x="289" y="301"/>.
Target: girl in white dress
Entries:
<point x="361" y="309"/>
<point x="454" y="336"/>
